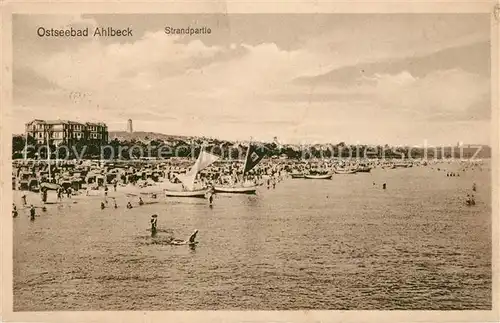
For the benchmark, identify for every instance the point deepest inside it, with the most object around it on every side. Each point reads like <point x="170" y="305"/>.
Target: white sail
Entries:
<point x="204" y="160"/>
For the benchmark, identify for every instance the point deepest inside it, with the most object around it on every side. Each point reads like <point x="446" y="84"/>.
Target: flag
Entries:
<point x="204" y="160"/>
<point x="254" y="156"/>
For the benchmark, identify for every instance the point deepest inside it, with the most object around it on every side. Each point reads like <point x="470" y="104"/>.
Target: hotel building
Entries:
<point x="59" y="132"/>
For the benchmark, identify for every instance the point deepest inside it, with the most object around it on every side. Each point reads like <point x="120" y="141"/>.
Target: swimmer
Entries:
<point x="191" y="241"/>
<point x="193" y="236"/>
<point x="102" y="206"/>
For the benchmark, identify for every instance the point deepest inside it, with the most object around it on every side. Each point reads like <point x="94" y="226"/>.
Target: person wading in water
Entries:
<point x="210" y="199"/>
<point x="154" y="219"/>
<point x="14" y="211"/>
<point x="32" y="213"/>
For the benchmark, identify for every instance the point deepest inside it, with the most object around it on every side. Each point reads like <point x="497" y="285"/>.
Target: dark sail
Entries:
<point x="254" y="155"/>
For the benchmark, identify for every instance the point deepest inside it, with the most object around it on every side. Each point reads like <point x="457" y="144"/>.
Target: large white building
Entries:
<point x="58" y="132"/>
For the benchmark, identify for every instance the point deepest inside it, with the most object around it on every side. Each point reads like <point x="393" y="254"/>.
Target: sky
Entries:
<point x="398" y="79"/>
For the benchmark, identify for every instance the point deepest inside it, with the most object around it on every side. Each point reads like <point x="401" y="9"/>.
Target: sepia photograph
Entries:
<point x="251" y="161"/>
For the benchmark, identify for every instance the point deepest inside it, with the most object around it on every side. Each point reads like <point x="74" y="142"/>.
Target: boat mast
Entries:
<point x="246" y="159"/>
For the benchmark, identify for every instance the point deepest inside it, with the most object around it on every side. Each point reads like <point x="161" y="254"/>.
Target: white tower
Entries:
<point x="129" y="126"/>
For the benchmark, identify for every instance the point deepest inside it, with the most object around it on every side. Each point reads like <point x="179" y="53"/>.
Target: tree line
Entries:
<point x="132" y="149"/>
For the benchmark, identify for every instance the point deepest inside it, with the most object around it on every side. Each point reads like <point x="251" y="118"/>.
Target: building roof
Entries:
<point x="62" y="122"/>
<point x="56" y="122"/>
<point x="95" y="124"/>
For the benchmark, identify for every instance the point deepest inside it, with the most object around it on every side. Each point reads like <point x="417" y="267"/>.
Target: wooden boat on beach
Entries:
<point x="195" y="193"/>
<point x="297" y="175"/>
<point x="236" y="189"/>
<point x="364" y="169"/>
<point x="344" y="171"/>
<point x="325" y="176"/>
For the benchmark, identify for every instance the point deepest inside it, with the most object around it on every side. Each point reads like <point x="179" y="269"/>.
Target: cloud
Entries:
<point x="96" y="64"/>
<point x="244" y="85"/>
<point x="473" y="58"/>
<point x="450" y="92"/>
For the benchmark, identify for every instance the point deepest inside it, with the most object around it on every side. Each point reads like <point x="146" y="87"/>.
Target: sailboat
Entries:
<point x="204" y="160"/>
<point x="253" y="157"/>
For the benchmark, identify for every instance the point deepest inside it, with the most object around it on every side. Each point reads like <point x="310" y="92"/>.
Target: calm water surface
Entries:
<point x="339" y="244"/>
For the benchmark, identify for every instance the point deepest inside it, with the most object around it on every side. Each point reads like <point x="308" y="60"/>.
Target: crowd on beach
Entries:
<point x="94" y="178"/>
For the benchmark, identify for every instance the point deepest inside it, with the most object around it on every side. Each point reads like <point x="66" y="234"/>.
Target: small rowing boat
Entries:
<point x="325" y="176"/>
<point x="344" y="171"/>
<point x="297" y="175"/>
<point x="195" y="193"/>
<point x="236" y="189"/>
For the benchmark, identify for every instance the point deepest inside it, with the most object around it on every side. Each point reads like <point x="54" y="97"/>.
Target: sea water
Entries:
<point x="344" y="243"/>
